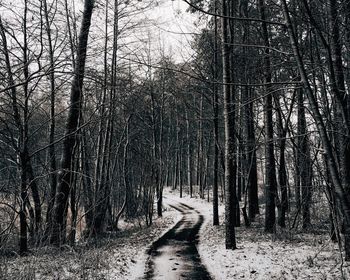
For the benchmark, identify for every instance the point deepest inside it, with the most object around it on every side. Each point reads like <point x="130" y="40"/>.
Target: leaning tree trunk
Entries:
<point x="70" y="140"/>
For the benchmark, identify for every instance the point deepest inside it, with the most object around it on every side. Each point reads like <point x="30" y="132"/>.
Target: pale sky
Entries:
<point x="170" y="27"/>
<point x="174" y="27"/>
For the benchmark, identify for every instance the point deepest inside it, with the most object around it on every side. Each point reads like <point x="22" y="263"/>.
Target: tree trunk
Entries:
<point x="189" y="155"/>
<point x="58" y="234"/>
<point x="304" y="162"/>
<point x="215" y="126"/>
<point x="270" y="170"/>
<point x="200" y="149"/>
<point x="282" y="169"/>
<point x="52" y="154"/>
<point x="252" y="179"/>
<point x="23" y="238"/>
<point x="229" y="121"/>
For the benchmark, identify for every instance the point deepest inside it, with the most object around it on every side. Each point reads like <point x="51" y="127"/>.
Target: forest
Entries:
<point x="131" y="150"/>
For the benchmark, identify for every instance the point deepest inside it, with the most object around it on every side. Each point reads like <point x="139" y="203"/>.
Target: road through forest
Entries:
<point x="175" y="256"/>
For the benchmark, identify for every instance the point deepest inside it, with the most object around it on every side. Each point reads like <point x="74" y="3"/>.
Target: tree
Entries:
<point x="52" y="153"/>
<point x="340" y="192"/>
<point x="304" y="162"/>
<point x="76" y="94"/>
<point x="270" y="170"/>
<point x="215" y="125"/>
<point x="229" y="123"/>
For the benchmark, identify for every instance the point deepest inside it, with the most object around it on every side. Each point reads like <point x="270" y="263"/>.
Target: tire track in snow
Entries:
<point x="174" y="255"/>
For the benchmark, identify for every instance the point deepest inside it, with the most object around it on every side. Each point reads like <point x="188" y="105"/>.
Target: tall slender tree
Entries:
<point x="229" y="124"/>
<point x="58" y="234"/>
<point x="270" y="169"/>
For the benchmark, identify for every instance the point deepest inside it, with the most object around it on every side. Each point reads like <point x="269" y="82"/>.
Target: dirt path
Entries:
<point x="174" y="256"/>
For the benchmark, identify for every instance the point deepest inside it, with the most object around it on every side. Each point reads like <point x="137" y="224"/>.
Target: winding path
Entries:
<point x="175" y="256"/>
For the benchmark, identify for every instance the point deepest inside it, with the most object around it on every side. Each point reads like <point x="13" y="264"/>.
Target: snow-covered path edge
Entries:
<point x="263" y="256"/>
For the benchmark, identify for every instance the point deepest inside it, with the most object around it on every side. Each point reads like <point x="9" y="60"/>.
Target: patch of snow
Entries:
<point x="259" y="255"/>
<point x="263" y="256"/>
<point x="120" y="257"/>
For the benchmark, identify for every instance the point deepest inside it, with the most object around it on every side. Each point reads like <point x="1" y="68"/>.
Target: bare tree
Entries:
<point x="58" y="234"/>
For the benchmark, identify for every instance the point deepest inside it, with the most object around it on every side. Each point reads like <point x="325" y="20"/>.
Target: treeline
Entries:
<point x="302" y="82"/>
<point x="81" y="119"/>
<point x="94" y="125"/>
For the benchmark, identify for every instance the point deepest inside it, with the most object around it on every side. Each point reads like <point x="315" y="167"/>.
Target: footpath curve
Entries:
<point x="174" y="255"/>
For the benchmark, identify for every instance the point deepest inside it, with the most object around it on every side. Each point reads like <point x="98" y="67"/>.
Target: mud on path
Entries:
<point x="175" y="256"/>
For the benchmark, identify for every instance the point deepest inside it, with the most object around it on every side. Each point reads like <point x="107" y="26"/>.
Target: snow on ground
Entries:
<point x="259" y="256"/>
<point x="263" y="256"/>
<point x="120" y="257"/>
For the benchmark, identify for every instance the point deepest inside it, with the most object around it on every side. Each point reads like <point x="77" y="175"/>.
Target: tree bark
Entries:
<point x="270" y="170"/>
<point x="215" y="126"/>
<point x="229" y="121"/>
<point x="304" y="162"/>
<point x="282" y="170"/>
<point x="189" y="155"/>
<point x="58" y="235"/>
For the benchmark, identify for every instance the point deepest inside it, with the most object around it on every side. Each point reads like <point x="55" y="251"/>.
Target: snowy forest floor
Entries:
<point x="118" y="257"/>
<point x="259" y="255"/>
<point x="265" y="256"/>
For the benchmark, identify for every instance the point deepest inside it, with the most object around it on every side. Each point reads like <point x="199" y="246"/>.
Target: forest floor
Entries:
<point x="116" y="257"/>
<point x="283" y="255"/>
